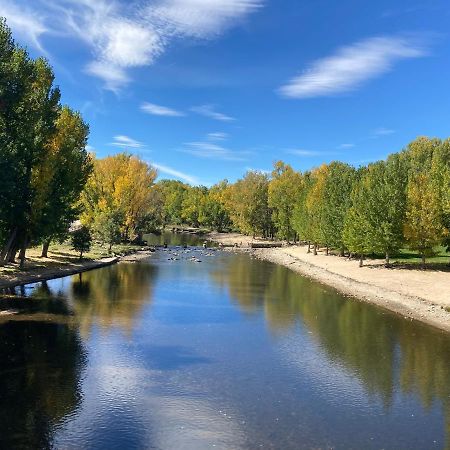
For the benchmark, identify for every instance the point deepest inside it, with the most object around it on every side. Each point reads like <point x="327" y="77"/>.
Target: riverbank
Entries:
<point x="57" y="266"/>
<point x="422" y="295"/>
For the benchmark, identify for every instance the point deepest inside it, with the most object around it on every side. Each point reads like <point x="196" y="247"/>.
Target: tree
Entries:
<point x="193" y="205"/>
<point x="247" y="204"/>
<point x="284" y="188"/>
<point x="335" y="202"/>
<point x="28" y="112"/>
<point x="356" y="225"/>
<point x="119" y="192"/>
<point x="59" y="180"/>
<point x="214" y="212"/>
<point x="301" y="219"/>
<point x="314" y="204"/>
<point x="173" y="193"/>
<point x="423" y="228"/>
<point x="81" y="240"/>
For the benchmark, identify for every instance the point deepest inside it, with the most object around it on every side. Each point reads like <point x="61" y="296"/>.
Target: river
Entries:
<point x="226" y="353"/>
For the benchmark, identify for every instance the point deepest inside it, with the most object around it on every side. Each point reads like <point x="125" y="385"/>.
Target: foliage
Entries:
<point x="81" y="240"/>
<point x="117" y="197"/>
<point x="284" y="188"/>
<point x="247" y="204"/>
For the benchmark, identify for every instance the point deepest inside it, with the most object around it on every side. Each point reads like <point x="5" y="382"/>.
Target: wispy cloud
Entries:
<point x="345" y="146"/>
<point x="126" y="142"/>
<point x="209" y="111"/>
<point x="176" y="173"/>
<point x="157" y="110"/>
<point x="381" y="131"/>
<point x="211" y="150"/>
<point x="217" y="136"/>
<point x="353" y="65"/>
<point x="309" y="153"/>
<point x="125" y="35"/>
<point x="25" y="22"/>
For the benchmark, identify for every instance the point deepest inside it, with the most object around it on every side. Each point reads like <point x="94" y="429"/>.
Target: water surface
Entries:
<point x="226" y="353"/>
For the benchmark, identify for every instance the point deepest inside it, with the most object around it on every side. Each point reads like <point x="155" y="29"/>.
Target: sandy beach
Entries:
<point x="422" y="295"/>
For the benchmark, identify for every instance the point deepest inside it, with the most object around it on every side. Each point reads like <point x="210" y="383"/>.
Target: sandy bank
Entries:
<point x="66" y="268"/>
<point x="415" y="294"/>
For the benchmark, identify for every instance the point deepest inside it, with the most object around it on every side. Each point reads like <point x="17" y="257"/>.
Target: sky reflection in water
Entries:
<point x="227" y="353"/>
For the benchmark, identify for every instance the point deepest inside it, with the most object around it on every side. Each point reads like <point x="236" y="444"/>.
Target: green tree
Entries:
<point x="336" y="202"/>
<point x="214" y="212"/>
<point x="284" y="188"/>
<point x="301" y="219"/>
<point x="356" y="225"/>
<point x="81" y="240"/>
<point x="28" y="112"/>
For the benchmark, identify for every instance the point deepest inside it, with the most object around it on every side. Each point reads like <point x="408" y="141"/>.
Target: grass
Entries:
<point x="410" y="259"/>
<point x="61" y="255"/>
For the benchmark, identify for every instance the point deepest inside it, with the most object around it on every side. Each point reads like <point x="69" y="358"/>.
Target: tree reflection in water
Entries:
<point x="39" y="381"/>
<point x="112" y="296"/>
<point x="383" y="350"/>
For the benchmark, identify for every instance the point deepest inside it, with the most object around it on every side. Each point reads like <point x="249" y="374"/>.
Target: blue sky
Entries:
<point x="207" y="89"/>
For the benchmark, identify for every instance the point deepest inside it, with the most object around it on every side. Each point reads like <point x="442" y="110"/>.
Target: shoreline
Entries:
<point x="413" y="294"/>
<point x="70" y="269"/>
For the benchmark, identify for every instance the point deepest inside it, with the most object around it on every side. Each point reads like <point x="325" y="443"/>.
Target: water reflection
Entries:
<point x="112" y="296"/>
<point x="381" y="349"/>
<point x="232" y="352"/>
<point x="41" y="366"/>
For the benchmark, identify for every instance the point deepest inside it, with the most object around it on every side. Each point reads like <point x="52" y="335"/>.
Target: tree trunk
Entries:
<point x="342" y="252"/>
<point x="6" y="249"/>
<point x="110" y="247"/>
<point x="387" y="259"/>
<point x="361" y="259"/>
<point x="315" y="249"/>
<point x="327" y="251"/>
<point x="309" y="246"/>
<point x="11" y="256"/>
<point x="45" y="247"/>
<point x="81" y="254"/>
<point x="423" y="259"/>
<point x="23" y="249"/>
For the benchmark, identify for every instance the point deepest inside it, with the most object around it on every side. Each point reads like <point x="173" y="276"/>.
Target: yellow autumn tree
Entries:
<point x="117" y="199"/>
<point x="423" y="228"/>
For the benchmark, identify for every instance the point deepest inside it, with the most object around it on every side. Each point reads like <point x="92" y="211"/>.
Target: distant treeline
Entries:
<point x="379" y="208"/>
<point x="48" y="181"/>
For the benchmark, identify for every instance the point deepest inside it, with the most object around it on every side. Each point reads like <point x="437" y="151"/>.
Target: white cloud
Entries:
<point x="125" y="35"/>
<point x="126" y="142"/>
<point x="208" y="111"/>
<point x="309" y="153"/>
<point x="176" y="173"/>
<point x="157" y="110"/>
<point x="199" y="18"/>
<point x="217" y="136"/>
<point x="344" y="146"/>
<point x="382" y="132"/>
<point x="113" y="76"/>
<point x="24" y="22"/>
<point x="210" y="150"/>
<point x="351" y="66"/>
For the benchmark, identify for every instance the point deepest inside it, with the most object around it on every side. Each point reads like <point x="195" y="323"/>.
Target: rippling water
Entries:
<point x="229" y="353"/>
